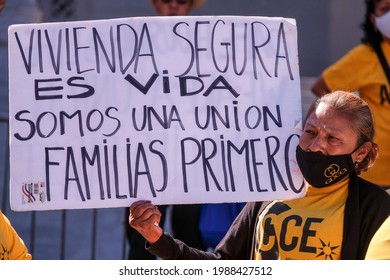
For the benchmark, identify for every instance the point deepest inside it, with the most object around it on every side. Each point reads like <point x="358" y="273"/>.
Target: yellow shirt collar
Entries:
<point x="310" y="190"/>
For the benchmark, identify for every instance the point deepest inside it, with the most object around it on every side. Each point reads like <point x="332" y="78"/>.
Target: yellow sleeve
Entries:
<point x="12" y="246"/>
<point x="350" y="71"/>
<point x="379" y="248"/>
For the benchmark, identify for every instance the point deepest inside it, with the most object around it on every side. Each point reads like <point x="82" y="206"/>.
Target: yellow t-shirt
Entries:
<point x="360" y="70"/>
<point x="379" y="248"/>
<point x="12" y="246"/>
<point x="308" y="228"/>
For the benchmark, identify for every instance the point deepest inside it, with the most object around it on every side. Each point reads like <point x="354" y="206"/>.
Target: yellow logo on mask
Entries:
<point x="332" y="172"/>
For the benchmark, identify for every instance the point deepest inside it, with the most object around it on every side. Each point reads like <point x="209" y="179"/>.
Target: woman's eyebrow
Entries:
<point x="333" y="129"/>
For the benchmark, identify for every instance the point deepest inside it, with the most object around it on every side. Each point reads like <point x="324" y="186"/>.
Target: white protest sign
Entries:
<point x="174" y="110"/>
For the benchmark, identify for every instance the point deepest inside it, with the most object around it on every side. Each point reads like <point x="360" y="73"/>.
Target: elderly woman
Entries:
<point x="337" y="217"/>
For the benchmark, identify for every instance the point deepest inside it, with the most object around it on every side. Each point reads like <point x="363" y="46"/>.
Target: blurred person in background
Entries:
<point x="175" y="7"/>
<point x="2" y="4"/>
<point x="379" y="248"/>
<point x="12" y="246"/>
<point x="365" y="69"/>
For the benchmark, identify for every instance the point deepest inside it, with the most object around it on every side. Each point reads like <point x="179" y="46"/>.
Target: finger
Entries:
<point x="151" y="221"/>
<point x="144" y="213"/>
<point x="139" y="207"/>
<point x="138" y="203"/>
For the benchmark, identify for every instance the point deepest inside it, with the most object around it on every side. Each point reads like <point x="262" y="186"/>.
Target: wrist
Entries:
<point x="154" y="236"/>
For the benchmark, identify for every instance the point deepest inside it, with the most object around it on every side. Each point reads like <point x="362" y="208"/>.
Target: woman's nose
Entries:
<point x="317" y="145"/>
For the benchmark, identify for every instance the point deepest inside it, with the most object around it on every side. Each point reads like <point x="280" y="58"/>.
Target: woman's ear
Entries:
<point x="362" y="151"/>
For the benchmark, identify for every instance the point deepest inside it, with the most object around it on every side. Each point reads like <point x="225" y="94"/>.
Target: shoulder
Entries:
<point x="362" y="52"/>
<point x="255" y="208"/>
<point x="3" y="219"/>
<point x="347" y="71"/>
<point x="368" y="187"/>
<point x="248" y="215"/>
<point x="370" y="193"/>
<point x="361" y="49"/>
<point x="379" y="248"/>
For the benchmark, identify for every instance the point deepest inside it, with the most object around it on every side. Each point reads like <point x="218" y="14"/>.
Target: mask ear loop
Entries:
<point x="357" y="148"/>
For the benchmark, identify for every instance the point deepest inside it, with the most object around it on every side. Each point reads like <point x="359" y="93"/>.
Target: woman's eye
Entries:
<point x="311" y="132"/>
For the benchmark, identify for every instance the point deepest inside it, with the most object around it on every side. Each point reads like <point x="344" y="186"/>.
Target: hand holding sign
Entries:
<point x="145" y="218"/>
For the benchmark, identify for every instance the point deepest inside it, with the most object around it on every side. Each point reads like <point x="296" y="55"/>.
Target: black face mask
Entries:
<point x="320" y="170"/>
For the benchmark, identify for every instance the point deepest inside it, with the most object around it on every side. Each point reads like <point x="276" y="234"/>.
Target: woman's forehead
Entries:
<point x="326" y="118"/>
